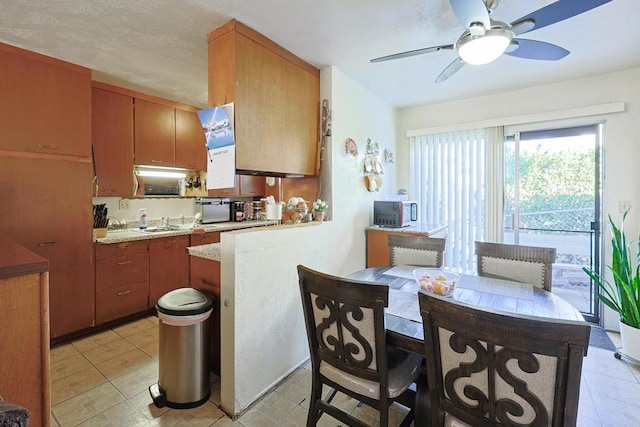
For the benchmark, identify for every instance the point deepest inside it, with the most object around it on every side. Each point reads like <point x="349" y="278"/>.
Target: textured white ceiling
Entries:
<point x="159" y="46"/>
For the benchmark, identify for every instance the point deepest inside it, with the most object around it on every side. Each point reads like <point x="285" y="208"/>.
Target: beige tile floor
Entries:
<point x="102" y="380"/>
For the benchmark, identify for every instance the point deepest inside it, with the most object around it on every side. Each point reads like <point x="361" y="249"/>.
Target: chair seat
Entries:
<point x="401" y="376"/>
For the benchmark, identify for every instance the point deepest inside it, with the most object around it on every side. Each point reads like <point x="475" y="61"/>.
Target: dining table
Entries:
<point x="404" y="322"/>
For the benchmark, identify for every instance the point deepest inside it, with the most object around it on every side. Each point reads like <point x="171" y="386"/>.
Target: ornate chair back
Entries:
<point x="491" y="368"/>
<point x="347" y="342"/>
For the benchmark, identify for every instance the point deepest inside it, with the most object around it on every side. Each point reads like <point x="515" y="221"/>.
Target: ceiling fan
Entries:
<point x="486" y="39"/>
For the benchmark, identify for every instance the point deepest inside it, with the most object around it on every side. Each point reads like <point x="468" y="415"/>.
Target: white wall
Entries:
<point x="621" y="139"/>
<point x="261" y="314"/>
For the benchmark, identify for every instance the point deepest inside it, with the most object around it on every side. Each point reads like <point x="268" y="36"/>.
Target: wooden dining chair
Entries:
<point x="416" y="250"/>
<point x="493" y="368"/>
<point x="527" y="264"/>
<point x="347" y="342"/>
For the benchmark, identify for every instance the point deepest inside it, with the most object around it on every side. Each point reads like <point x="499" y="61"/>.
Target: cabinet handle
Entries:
<point x="47" y="146"/>
<point x="124" y="262"/>
<point x="47" y="244"/>
<point x="128" y="291"/>
<point x="156" y="161"/>
<point x="206" y="282"/>
<point x="109" y="190"/>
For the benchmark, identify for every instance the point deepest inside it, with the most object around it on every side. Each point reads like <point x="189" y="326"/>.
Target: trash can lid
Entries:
<point x="185" y="302"/>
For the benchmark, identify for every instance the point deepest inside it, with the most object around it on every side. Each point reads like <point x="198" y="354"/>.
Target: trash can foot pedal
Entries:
<point x="158" y="396"/>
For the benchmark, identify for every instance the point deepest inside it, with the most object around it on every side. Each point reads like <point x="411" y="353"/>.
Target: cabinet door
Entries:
<point x="205" y="276"/>
<point x="168" y="266"/>
<point x="47" y="208"/>
<point x="112" y="135"/>
<point x="155" y="133"/>
<point x="191" y="152"/>
<point x="204" y="239"/>
<point x="277" y="101"/>
<point x="45" y="108"/>
<point x="252" y="186"/>
<point x="276" y="112"/>
<point x="226" y="192"/>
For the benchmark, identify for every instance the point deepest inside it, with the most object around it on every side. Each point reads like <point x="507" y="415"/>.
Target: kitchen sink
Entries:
<point x="161" y="229"/>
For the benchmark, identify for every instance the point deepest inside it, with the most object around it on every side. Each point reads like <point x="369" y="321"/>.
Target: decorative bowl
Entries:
<point x="436" y="280"/>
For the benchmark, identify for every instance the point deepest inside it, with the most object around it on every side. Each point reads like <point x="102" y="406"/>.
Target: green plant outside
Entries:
<point x="623" y="295"/>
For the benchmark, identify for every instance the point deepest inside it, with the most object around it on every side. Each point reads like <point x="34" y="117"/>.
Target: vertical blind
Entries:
<point x="448" y="176"/>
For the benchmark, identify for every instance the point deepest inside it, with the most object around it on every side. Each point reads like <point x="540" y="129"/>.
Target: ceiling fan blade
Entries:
<point x="413" y="53"/>
<point x="534" y="49"/>
<point x="555" y="12"/>
<point x="469" y="11"/>
<point x="451" y="69"/>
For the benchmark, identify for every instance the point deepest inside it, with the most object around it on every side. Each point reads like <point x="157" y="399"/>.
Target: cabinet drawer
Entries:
<point x="120" y="249"/>
<point x="205" y="239"/>
<point x="120" y="302"/>
<point x="114" y="272"/>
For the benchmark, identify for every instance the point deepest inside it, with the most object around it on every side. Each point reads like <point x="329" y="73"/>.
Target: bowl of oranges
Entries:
<point x="436" y="280"/>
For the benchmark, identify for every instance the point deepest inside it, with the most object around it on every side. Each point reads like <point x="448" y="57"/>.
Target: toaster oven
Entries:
<point x="213" y="209"/>
<point x="394" y="213"/>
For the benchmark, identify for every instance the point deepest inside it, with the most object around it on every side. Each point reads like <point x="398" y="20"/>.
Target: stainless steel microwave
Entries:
<point x="213" y="209"/>
<point x="394" y="213"/>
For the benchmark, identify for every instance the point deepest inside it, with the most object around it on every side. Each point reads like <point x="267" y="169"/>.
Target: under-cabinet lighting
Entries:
<point x="161" y="172"/>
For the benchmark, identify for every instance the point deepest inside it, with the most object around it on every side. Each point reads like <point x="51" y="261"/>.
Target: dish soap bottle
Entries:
<point x="143" y="219"/>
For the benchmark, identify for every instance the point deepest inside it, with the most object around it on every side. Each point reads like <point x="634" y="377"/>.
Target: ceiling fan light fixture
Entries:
<point x="480" y="50"/>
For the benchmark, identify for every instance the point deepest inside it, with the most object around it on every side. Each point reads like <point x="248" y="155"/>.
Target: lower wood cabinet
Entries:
<point x="168" y="266"/>
<point x="205" y="276"/>
<point x="24" y="331"/>
<point x="122" y="280"/>
<point x="205" y="239"/>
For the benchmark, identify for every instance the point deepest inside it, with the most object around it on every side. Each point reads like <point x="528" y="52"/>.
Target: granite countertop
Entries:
<point x="131" y="234"/>
<point x="413" y="227"/>
<point x="210" y="251"/>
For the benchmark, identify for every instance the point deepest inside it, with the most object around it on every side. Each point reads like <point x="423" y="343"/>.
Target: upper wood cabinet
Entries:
<point x="155" y="133"/>
<point x="46" y="104"/>
<point x="276" y="97"/>
<point x="112" y="132"/>
<point x="246" y="186"/>
<point x="191" y="150"/>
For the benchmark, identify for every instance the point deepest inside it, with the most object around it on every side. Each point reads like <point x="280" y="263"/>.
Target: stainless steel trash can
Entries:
<point x="183" y="380"/>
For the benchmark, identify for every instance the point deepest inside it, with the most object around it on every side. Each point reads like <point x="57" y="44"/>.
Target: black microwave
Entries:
<point x="394" y="213"/>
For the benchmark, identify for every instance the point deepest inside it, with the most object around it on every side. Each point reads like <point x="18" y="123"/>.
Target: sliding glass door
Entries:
<point x="552" y="199"/>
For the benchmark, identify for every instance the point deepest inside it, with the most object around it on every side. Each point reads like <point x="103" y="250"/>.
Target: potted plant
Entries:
<point x="319" y="210"/>
<point x="623" y="295"/>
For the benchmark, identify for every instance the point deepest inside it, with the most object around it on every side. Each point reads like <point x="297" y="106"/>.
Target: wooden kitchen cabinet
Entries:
<point x="191" y="152"/>
<point x="252" y="186"/>
<point x="155" y="133"/>
<point x="112" y="136"/>
<point x="122" y="280"/>
<point x="47" y="208"/>
<point x="46" y="104"/>
<point x="246" y="186"/>
<point x="168" y="266"/>
<point x="205" y="239"/>
<point x="24" y="331"/>
<point x="276" y="99"/>
<point x="205" y="276"/>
